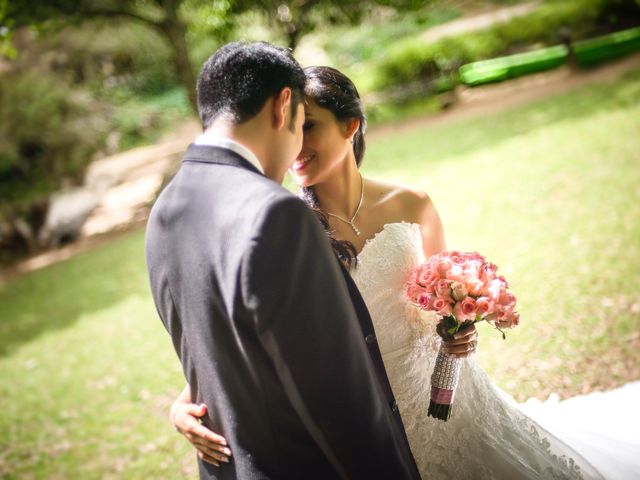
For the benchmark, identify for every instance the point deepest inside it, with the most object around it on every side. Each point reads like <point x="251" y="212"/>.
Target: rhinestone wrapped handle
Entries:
<point x="444" y="381"/>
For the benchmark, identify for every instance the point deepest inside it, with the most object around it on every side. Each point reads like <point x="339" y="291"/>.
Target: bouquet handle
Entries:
<point x="444" y="381"/>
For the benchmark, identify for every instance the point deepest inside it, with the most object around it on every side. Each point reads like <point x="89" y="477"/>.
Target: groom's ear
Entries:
<point x="282" y="108"/>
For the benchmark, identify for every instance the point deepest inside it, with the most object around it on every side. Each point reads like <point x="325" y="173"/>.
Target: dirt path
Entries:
<point x="140" y="171"/>
<point x="478" y="21"/>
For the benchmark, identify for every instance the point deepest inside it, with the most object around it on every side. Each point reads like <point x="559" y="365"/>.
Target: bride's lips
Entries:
<point x="301" y="162"/>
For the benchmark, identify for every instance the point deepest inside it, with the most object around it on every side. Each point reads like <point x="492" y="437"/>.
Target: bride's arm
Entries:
<point x="184" y="415"/>
<point x="431" y="229"/>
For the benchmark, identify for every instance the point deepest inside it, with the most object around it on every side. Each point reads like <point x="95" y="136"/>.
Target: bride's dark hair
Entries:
<point x="333" y="90"/>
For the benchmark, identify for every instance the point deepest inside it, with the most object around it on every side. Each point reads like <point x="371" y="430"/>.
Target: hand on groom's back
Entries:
<point x="211" y="447"/>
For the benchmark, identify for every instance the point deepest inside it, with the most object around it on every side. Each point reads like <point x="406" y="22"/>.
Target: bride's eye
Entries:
<point x="307" y="126"/>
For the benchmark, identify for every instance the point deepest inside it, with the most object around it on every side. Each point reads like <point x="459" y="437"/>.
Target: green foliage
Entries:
<point x="413" y="59"/>
<point x="163" y="17"/>
<point x="6" y="30"/>
<point x="112" y="59"/>
<point x="70" y="88"/>
<point x="141" y="120"/>
<point x="391" y="111"/>
<point x="295" y="19"/>
<point x="350" y="45"/>
<point x="45" y="137"/>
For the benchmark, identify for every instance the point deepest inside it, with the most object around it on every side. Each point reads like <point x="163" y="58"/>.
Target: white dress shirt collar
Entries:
<point x="222" y="142"/>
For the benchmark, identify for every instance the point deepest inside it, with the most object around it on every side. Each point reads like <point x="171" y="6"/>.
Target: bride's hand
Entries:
<point x="464" y="343"/>
<point x="211" y="447"/>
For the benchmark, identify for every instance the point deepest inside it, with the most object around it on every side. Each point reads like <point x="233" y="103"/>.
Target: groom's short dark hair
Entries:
<point x="240" y="77"/>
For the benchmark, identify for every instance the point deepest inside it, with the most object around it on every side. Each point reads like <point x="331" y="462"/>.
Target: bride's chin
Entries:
<point x="301" y="180"/>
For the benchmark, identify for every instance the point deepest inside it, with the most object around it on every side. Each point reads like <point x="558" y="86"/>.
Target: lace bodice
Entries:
<point x="486" y="437"/>
<point x="383" y="267"/>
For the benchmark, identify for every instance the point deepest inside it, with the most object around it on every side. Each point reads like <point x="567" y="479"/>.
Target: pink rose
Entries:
<point x="509" y="320"/>
<point x="441" y="306"/>
<point x="456" y="273"/>
<point x="425" y="301"/>
<point x="465" y="310"/>
<point x="478" y="257"/>
<point x="457" y="312"/>
<point x="472" y="270"/>
<point x="474" y="287"/>
<point x="458" y="291"/>
<point x="507" y="298"/>
<point x="443" y="266"/>
<point x="414" y="292"/>
<point x="469" y="307"/>
<point x="484" y="306"/>
<point x="493" y="290"/>
<point x="427" y="276"/>
<point x="443" y="289"/>
<point x="457" y="257"/>
<point x="488" y="272"/>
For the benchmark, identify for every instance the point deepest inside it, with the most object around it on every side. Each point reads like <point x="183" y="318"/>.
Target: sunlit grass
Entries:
<point x="87" y="373"/>
<point x="550" y="192"/>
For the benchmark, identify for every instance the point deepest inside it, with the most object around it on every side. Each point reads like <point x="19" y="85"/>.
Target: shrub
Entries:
<point x="412" y="59"/>
<point x="349" y="45"/>
<point x="113" y="59"/>
<point x="46" y="137"/>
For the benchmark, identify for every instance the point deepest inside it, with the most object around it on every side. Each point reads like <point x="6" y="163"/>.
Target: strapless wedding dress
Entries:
<point x="488" y="435"/>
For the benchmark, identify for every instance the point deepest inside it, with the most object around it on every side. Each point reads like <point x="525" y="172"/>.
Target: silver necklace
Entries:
<point x="350" y="222"/>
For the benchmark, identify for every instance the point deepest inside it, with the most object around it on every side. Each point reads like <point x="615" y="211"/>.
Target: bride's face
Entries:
<point x="325" y="146"/>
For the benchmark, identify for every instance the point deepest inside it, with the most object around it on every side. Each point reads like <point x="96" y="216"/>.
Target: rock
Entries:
<point x="123" y="204"/>
<point x="23" y="228"/>
<point x="68" y="211"/>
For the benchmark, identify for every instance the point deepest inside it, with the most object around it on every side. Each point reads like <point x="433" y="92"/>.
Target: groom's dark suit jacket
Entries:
<point x="272" y="333"/>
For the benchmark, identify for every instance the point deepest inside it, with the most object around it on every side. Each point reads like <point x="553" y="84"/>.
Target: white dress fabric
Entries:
<point x="488" y="435"/>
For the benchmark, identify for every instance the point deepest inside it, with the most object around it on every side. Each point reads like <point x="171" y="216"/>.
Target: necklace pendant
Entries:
<point x="355" y="229"/>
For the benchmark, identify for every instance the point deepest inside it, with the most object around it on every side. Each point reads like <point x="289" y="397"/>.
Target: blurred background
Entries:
<point x="521" y="119"/>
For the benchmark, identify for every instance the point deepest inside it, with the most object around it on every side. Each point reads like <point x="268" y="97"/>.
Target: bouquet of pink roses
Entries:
<point x="462" y="288"/>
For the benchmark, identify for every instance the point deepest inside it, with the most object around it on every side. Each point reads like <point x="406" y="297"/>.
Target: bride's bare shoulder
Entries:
<point x="407" y="203"/>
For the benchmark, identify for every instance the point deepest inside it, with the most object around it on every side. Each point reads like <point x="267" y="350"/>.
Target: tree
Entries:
<point x="173" y="18"/>
<point x="296" y="18"/>
<point x="168" y="17"/>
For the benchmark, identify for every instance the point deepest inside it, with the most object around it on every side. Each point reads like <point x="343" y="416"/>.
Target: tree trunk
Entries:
<point x="176" y="33"/>
<point x="293" y="35"/>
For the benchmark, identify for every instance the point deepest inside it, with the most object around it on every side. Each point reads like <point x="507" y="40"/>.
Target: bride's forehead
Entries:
<point x="310" y="105"/>
<point x="314" y="111"/>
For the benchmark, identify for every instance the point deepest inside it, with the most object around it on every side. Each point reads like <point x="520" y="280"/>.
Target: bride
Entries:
<point x="381" y="231"/>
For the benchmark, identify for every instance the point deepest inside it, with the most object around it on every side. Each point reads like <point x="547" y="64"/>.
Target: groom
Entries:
<point x="271" y="332"/>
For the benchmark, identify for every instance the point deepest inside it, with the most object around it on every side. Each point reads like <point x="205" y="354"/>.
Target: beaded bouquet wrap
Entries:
<point x="444" y="381"/>
<point x="462" y="288"/>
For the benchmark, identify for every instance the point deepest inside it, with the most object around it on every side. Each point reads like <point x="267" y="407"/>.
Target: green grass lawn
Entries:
<point x="550" y="192"/>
